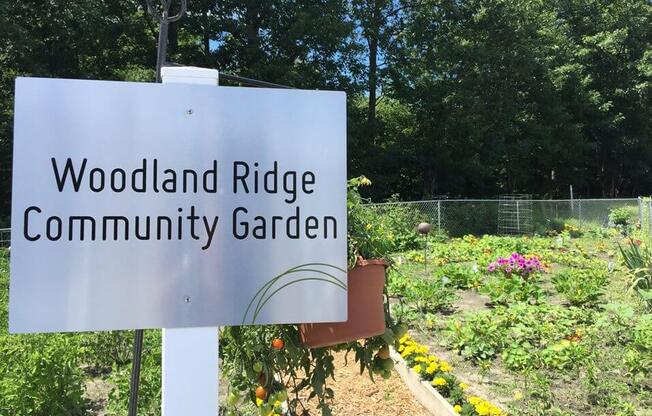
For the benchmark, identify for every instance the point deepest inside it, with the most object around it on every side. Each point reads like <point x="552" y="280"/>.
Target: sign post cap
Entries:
<point x="188" y="73"/>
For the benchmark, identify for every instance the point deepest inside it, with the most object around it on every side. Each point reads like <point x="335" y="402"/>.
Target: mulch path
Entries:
<point x="357" y="395"/>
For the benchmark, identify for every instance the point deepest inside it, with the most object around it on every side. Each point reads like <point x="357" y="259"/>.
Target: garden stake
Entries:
<point x="424" y="228"/>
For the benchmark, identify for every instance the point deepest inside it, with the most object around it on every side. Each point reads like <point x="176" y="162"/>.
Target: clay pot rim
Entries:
<point x="371" y="262"/>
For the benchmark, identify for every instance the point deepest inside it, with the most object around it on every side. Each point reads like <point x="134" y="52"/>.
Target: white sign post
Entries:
<point x="190" y="379"/>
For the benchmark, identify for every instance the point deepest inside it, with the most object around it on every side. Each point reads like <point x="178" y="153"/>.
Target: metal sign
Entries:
<point x="140" y="205"/>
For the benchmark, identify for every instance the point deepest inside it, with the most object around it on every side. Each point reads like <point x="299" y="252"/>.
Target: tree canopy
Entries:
<point x="465" y="98"/>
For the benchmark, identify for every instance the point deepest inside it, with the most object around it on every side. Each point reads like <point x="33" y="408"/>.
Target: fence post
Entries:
<point x="439" y="217"/>
<point x="518" y="219"/>
<point x="579" y="207"/>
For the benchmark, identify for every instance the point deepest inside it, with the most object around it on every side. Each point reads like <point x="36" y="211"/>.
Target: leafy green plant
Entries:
<point x="638" y="357"/>
<point x="564" y="355"/>
<point x="638" y="259"/>
<point x="623" y="216"/>
<point x="623" y="219"/>
<point x="519" y="356"/>
<point x="429" y="295"/>
<point x="479" y="337"/>
<point x="504" y="290"/>
<point x="103" y="350"/>
<point x="149" y="393"/>
<point x="40" y="376"/>
<point x="459" y="276"/>
<point x="580" y="287"/>
<point x="367" y="238"/>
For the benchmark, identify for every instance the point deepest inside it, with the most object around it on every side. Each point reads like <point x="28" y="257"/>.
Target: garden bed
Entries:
<point x="570" y="339"/>
<point x="429" y="398"/>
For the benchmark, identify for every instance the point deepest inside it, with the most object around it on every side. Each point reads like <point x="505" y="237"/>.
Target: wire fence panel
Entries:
<point x="457" y="217"/>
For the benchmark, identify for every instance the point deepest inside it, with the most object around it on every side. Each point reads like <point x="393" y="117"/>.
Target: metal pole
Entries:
<point x="425" y="253"/>
<point x="135" y="372"/>
<point x="162" y="44"/>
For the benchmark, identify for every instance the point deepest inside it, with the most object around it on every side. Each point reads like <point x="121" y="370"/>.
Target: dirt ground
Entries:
<point x="357" y="395"/>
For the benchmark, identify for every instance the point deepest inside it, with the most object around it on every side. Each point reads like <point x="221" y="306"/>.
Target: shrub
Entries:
<point x="623" y="216"/>
<point x="399" y="221"/>
<point x="368" y="237"/>
<point x="623" y="219"/>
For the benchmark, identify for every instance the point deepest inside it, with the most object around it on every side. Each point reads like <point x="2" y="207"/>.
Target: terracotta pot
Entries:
<point x="365" y="309"/>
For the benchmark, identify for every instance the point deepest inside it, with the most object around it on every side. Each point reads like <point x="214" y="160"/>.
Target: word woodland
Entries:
<point x="150" y="176"/>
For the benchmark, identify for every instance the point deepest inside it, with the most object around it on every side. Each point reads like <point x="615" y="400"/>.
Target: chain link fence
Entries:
<point x="5" y="237"/>
<point x="458" y="217"/>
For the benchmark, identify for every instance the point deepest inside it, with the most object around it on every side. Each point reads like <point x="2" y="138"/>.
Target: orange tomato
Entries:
<point x="278" y="343"/>
<point x="261" y="392"/>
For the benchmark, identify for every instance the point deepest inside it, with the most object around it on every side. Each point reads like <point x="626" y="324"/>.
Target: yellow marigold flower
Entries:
<point x="439" y="381"/>
<point x="404" y="339"/>
<point x="432" y="368"/>
<point x="421" y="359"/>
<point x="259" y="402"/>
<point x="406" y="353"/>
<point x="277" y="403"/>
<point x="417" y="369"/>
<point x="401" y="348"/>
<point x="432" y="359"/>
<point x="445" y="367"/>
<point x="464" y="386"/>
<point x="474" y="400"/>
<point x="457" y="408"/>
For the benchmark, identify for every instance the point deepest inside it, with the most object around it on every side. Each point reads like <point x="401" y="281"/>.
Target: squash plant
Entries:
<point x="269" y="367"/>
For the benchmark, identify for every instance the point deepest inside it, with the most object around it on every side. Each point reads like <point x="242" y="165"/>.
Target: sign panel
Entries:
<point x="140" y="205"/>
